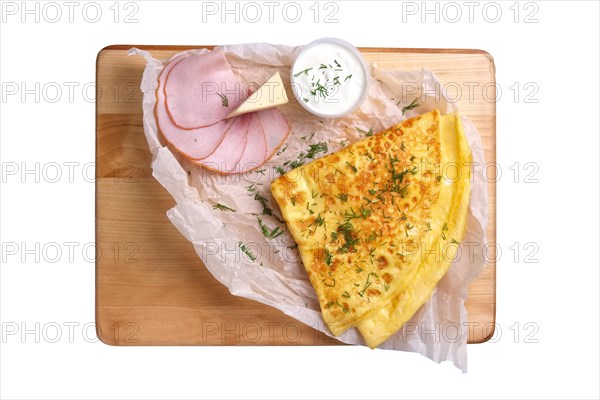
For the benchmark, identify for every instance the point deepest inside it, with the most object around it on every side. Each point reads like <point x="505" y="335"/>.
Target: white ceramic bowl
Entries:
<point x="350" y="93"/>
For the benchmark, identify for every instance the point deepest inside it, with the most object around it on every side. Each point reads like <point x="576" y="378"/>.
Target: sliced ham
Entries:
<point x="275" y="127"/>
<point x="199" y="130"/>
<point x="195" y="143"/>
<point x="202" y="90"/>
<point x="226" y="157"/>
<point x="255" y="153"/>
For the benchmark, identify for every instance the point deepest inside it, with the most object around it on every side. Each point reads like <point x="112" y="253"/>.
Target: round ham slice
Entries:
<point x="255" y="153"/>
<point x="226" y="158"/>
<point x="228" y="146"/>
<point x="193" y="143"/>
<point x="201" y="90"/>
<point x="275" y="128"/>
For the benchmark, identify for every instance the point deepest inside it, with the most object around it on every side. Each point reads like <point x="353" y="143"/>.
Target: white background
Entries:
<point x="558" y="294"/>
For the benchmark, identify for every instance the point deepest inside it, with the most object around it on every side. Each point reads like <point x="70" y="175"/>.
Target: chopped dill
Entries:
<point x="222" y="207"/>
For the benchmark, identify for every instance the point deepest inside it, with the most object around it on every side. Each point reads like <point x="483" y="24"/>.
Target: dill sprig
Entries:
<point x="398" y="178"/>
<point x="270" y="233"/>
<point x="367" y="284"/>
<point x="329" y="284"/>
<point x="319" y="89"/>
<point x="319" y="221"/>
<point x="308" y="138"/>
<point x="224" y="100"/>
<point x="328" y="256"/>
<point x="344" y="309"/>
<point x="311" y="153"/>
<point x="222" y="207"/>
<point x="347" y="230"/>
<point x="414" y="104"/>
<point x="302" y="72"/>
<point x="283" y="149"/>
<point x="351" y="214"/>
<point x="246" y="251"/>
<point x="444" y="229"/>
<point x="366" y="133"/>
<point x="343" y="197"/>
<point x="352" y="167"/>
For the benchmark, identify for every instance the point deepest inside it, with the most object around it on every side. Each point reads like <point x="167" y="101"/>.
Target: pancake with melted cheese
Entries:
<point x="361" y="216"/>
<point x="449" y="226"/>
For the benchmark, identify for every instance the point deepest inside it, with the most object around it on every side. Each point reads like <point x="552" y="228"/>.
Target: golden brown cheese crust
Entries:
<point x="361" y="215"/>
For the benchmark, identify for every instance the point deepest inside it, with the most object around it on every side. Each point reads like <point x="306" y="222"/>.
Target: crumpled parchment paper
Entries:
<point x="270" y="270"/>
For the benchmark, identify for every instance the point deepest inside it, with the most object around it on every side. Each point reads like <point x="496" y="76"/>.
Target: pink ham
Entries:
<point x="255" y="153"/>
<point x="201" y="90"/>
<point x="226" y="157"/>
<point x="194" y="143"/>
<point x="275" y="128"/>
<point x="228" y="146"/>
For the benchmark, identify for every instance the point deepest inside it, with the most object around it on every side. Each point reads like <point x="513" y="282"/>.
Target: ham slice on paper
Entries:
<point x="227" y="156"/>
<point x="194" y="143"/>
<point x="255" y="153"/>
<point x="275" y="128"/>
<point x="191" y="116"/>
<point x="202" y="90"/>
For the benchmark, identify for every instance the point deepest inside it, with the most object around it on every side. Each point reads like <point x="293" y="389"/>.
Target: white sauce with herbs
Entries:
<point x="329" y="79"/>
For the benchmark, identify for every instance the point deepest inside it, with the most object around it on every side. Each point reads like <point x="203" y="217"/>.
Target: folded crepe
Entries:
<point x="378" y="222"/>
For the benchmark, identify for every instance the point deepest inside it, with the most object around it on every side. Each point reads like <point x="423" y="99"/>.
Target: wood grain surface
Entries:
<point x="151" y="286"/>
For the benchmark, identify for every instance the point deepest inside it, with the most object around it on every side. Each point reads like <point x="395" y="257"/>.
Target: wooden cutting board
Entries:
<point x="152" y="288"/>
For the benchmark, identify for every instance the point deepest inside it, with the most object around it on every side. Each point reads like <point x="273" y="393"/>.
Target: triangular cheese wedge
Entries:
<point x="270" y="94"/>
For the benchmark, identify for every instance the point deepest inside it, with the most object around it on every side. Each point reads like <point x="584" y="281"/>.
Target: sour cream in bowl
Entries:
<point x="329" y="78"/>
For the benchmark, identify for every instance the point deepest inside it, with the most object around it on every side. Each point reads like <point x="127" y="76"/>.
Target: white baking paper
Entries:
<point x="277" y="277"/>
